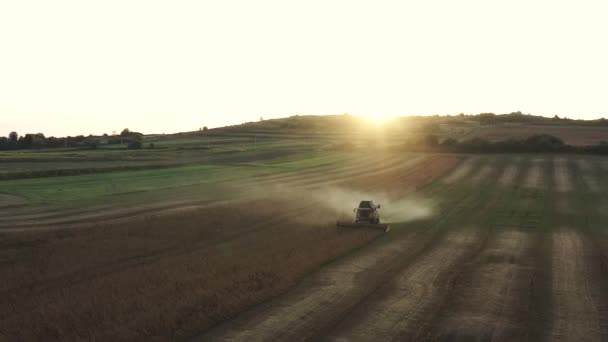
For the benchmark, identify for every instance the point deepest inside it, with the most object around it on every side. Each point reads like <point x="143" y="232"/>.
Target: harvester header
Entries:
<point x="367" y="215"/>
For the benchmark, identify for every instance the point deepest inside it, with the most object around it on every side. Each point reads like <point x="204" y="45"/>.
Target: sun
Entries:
<point x="378" y="118"/>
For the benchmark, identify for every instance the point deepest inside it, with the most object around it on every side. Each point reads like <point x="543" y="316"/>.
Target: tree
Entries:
<point x="13" y="137"/>
<point x="39" y="140"/>
<point x="205" y="129"/>
<point x="28" y="141"/>
<point x="125" y="132"/>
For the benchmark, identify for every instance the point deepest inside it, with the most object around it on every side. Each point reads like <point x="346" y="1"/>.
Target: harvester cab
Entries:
<point x="367" y="215"/>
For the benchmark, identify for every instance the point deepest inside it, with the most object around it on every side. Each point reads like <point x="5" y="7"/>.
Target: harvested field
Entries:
<point x="495" y="247"/>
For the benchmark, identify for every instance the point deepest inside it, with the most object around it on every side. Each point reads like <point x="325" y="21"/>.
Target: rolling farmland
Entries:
<point x="492" y="247"/>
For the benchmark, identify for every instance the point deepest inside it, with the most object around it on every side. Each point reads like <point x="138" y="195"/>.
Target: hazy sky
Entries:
<point x="81" y="67"/>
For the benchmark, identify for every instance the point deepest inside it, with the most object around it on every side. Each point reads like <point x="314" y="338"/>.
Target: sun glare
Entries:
<point x="378" y="119"/>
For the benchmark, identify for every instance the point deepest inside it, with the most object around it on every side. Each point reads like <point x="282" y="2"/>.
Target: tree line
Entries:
<point x="14" y="141"/>
<point x="519" y="117"/>
<point x="539" y="143"/>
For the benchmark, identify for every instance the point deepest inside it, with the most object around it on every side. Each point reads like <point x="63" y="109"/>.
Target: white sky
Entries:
<point x="81" y="67"/>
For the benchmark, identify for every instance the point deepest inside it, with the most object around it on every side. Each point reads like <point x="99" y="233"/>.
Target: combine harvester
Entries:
<point x="366" y="216"/>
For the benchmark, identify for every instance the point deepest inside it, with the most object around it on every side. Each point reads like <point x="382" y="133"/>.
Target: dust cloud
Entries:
<point x="343" y="201"/>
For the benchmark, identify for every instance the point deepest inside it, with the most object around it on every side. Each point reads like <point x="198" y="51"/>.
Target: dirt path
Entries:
<point x="576" y="315"/>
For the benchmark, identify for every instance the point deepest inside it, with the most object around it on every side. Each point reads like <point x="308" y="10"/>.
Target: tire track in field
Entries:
<point x="483" y="173"/>
<point x="510" y="173"/>
<point x="561" y="176"/>
<point x="427" y="173"/>
<point x="405" y="304"/>
<point x="462" y="170"/>
<point x="377" y="170"/>
<point x="534" y="174"/>
<point x="589" y="225"/>
<point x="588" y="176"/>
<point x="352" y="167"/>
<point x="332" y="291"/>
<point x="576" y="316"/>
<point x="488" y="302"/>
<point x="409" y="180"/>
<point x="90" y="218"/>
